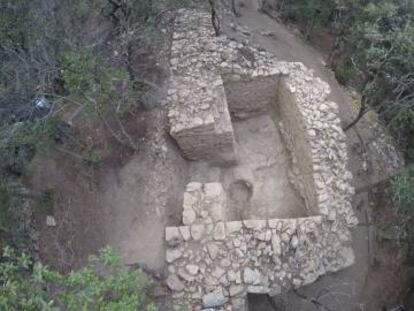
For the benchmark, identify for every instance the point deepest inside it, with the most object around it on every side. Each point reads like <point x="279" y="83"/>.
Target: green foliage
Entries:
<point x="86" y="77"/>
<point x="344" y="72"/>
<point x="389" y="62"/>
<point x="403" y="190"/>
<point x="402" y="187"/>
<point x="15" y="211"/>
<point x="313" y="15"/>
<point x="46" y="202"/>
<point x="103" y="285"/>
<point x="26" y="47"/>
<point x="373" y="51"/>
<point x="20" y="141"/>
<point x="373" y="44"/>
<point x="93" y="160"/>
<point x="5" y="198"/>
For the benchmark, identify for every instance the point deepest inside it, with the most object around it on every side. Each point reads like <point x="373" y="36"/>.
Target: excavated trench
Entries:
<point x="257" y="186"/>
<point x="261" y="214"/>
<point x="257" y="183"/>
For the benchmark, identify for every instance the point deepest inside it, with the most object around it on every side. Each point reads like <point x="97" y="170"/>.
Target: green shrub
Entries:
<point x="104" y="284"/>
<point x="92" y="160"/>
<point x="86" y="77"/>
<point x="403" y="190"/>
<point x="20" y="141"/>
<point x="402" y="187"/>
<point x="344" y="72"/>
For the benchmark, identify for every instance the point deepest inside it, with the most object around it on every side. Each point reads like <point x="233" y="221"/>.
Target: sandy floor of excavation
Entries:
<point x="257" y="186"/>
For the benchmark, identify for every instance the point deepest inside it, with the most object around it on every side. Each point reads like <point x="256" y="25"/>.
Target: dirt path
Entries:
<point x="144" y="197"/>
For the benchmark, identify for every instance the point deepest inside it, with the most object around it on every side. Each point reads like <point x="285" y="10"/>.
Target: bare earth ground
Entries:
<point x="147" y="198"/>
<point x="126" y="202"/>
<point x="130" y="198"/>
<point x="258" y="186"/>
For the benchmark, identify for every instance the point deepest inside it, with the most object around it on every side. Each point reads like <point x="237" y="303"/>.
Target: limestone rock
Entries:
<point x="172" y="234"/>
<point x="212" y="250"/>
<point x="189" y="216"/>
<point x="236" y="290"/>
<point x="233" y="226"/>
<point x="294" y="242"/>
<point x="50" y="221"/>
<point x="234" y="276"/>
<point x="193" y="186"/>
<point x="276" y="247"/>
<point x="219" y="231"/>
<point x="258" y="290"/>
<point x="185" y="275"/>
<point x="212" y="190"/>
<point x="174" y="283"/>
<point x="218" y="272"/>
<point x="173" y="254"/>
<point x="254" y="224"/>
<point x="251" y="276"/>
<point x="185" y="233"/>
<point x="197" y="232"/>
<point x="347" y="255"/>
<point x="215" y="298"/>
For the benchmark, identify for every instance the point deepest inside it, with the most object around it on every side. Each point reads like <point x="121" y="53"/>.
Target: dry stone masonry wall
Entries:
<point x="213" y="262"/>
<point x="247" y="97"/>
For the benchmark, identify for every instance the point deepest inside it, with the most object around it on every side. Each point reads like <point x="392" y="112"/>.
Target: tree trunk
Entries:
<point x="234" y="9"/>
<point x="215" y="21"/>
<point x="214" y="18"/>
<point x="362" y="110"/>
<point x="312" y="24"/>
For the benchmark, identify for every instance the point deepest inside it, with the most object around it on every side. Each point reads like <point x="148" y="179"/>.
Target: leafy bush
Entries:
<point x="374" y="43"/>
<point x="104" y="284"/>
<point x="402" y="187"/>
<point x="85" y="76"/>
<point x="344" y="72"/>
<point x="20" y="141"/>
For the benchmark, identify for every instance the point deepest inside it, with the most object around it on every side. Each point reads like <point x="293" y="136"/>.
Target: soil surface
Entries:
<point x="144" y="197"/>
<point x="258" y="186"/>
<point x="125" y="202"/>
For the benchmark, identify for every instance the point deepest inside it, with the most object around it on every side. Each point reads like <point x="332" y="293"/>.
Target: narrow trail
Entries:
<point x="287" y="46"/>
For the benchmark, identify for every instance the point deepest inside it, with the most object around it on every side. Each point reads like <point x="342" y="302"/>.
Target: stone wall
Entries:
<point x="204" y="203"/>
<point x="318" y="144"/>
<point x="198" y="112"/>
<point x="212" y="262"/>
<point x="294" y="132"/>
<point x="200" y="120"/>
<point x="247" y="97"/>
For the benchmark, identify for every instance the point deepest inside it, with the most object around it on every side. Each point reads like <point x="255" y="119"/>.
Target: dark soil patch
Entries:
<point x="75" y="184"/>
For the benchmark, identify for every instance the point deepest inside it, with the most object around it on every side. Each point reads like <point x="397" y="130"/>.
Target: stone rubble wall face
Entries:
<point x="200" y="120"/>
<point x="198" y="112"/>
<point x="327" y="143"/>
<point x="251" y="256"/>
<point x="247" y="98"/>
<point x="293" y="129"/>
<point x="204" y="143"/>
<point x="204" y="203"/>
